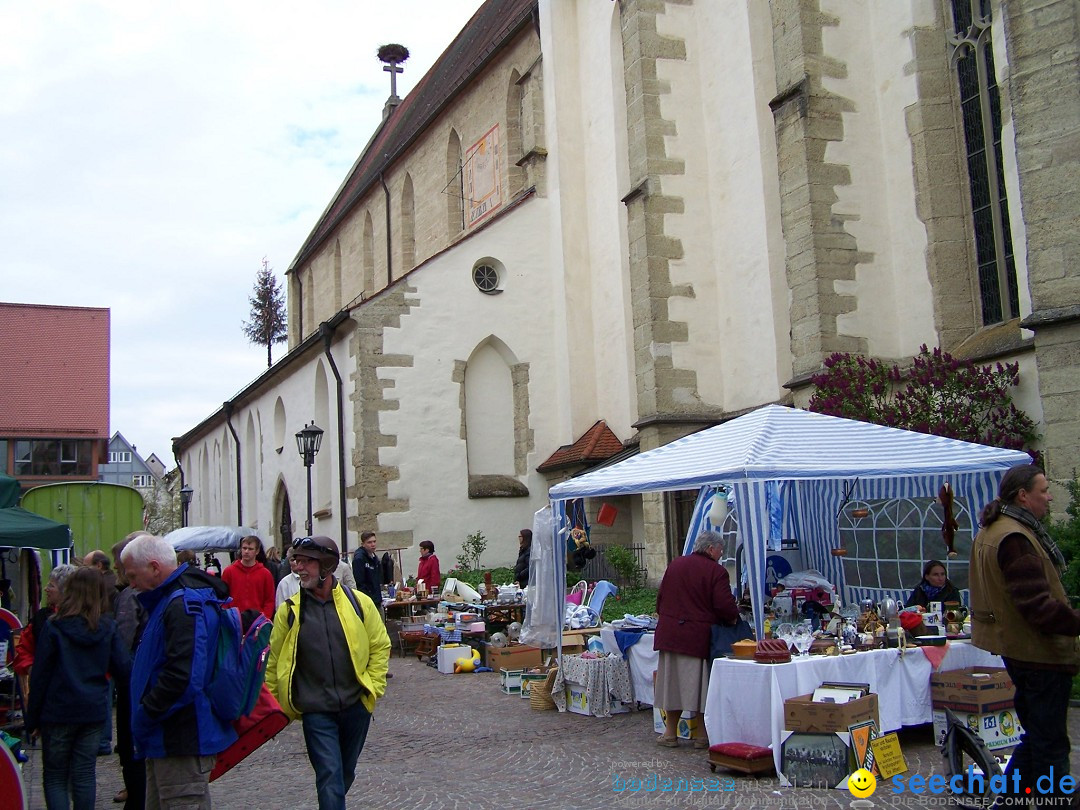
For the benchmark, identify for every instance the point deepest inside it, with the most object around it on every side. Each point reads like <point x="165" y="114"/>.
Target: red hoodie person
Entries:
<point x="251" y="584"/>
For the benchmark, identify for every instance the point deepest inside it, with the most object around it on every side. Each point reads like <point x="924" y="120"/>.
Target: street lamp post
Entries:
<point x="307" y="443"/>
<point x="185" y="501"/>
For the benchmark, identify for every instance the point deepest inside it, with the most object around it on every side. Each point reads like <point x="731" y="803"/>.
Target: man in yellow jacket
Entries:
<point x="329" y="653"/>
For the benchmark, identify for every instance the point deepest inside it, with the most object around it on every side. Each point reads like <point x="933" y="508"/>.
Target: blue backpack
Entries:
<point x="240" y="663"/>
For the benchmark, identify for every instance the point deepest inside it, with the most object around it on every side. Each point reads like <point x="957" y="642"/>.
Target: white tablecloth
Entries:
<point x="746" y="699"/>
<point x="642" y="659"/>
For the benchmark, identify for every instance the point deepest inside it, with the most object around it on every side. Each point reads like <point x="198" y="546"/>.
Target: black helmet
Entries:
<point x="317" y="548"/>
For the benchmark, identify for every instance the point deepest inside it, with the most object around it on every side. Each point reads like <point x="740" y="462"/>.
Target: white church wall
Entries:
<point x="872" y="41"/>
<point x="730" y="228"/>
<point x="567" y="70"/>
<point x="451" y="320"/>
<point x="296" y="392"/>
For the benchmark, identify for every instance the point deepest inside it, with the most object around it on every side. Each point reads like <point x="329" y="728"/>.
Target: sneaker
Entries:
<point x="120" y="797"/>
<point x="104" y="751"/>
<point x="389" y="675"/>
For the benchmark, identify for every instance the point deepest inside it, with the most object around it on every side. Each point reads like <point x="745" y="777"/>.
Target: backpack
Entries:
<point x="239" y="664"/>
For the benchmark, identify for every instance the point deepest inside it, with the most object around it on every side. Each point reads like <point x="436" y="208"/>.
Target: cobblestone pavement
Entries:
<point x="455" y="741"/>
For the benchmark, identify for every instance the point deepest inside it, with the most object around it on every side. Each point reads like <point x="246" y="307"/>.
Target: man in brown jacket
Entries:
<point x="1019" y="610"/>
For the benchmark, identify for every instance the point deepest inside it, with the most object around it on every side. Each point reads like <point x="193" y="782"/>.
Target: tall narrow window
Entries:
<point x="515" y="174"/>
<point x="408" y="232"/>
<point x="369" y="257"/>
<point x="337" y="275"/>
<point x="454" y="191"/>
<point x="973" y="56"/>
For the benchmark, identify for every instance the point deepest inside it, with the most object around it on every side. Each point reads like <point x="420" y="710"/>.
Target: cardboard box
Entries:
<point x="510" y="681"/>
<point x="578" y="703"/>
<point x="1000" y="729"/>
<point x="688" y="723"/>
<point x="449" y="653"/>
<point x="516" y="656"/>
<point x="802" y="714"/>
<point x="975" y="690"/>
<point x="572" y="644"/>
<point x="527" y="681"/>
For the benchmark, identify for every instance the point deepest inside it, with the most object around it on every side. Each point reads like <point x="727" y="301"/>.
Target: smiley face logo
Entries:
<point x="862" y="783"/>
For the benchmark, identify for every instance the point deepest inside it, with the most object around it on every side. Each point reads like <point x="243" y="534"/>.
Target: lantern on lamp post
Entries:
<point x="185" y="501"/>
<point x="307" y="444"/>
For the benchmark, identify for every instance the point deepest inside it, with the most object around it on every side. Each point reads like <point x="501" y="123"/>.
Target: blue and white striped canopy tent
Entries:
<point x="810" y="459"/>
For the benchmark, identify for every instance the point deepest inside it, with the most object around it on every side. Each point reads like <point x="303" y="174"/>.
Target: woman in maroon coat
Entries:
<point x="694" y="595"/>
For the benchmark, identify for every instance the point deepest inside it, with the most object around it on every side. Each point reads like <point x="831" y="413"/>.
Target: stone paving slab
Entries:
<point x="457" y="742"/>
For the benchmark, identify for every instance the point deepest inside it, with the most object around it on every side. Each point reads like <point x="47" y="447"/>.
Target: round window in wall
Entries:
<point x="487" y="275"/>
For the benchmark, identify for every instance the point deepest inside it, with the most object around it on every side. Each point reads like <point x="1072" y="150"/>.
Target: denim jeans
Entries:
<point x="1042" y="705"/>
<point x="69" y="754"/>
<point x="106" y="746"/>
<point x="334" y="741"/>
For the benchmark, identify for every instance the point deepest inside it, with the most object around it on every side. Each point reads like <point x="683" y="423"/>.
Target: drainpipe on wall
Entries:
<point x="228" y="408"/>
<point x="326" y="329"/>
<point x="179" y="466"/>
<point x="386" y="193"/>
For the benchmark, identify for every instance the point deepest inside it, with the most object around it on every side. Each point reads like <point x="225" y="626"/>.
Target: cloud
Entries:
<point x="155" y="152"/>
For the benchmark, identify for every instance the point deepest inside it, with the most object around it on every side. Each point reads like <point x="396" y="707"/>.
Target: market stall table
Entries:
<point x="604" y="680"/>
<point x="642" y="659"/>
<point x="408" y="608"/>
<point x="746" y="699"/>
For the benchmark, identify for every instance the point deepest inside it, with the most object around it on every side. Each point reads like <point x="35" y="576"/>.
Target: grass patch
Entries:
<point x="634" y="601"/>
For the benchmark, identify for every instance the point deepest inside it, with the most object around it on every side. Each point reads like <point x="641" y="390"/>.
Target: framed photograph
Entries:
<point x="821" y="760"/>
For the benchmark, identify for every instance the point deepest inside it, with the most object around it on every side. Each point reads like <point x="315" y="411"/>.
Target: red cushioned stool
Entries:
<point x="742" y="757"/>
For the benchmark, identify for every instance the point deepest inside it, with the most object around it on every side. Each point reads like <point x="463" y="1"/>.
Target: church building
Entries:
<point x="596" y="226"/>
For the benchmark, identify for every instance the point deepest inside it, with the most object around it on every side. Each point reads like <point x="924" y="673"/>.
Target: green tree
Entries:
<point x="268" y="319"/>
<point x="1066" y="534"/>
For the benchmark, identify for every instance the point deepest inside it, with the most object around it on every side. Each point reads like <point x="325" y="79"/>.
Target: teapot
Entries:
<point x="889" y="608"/>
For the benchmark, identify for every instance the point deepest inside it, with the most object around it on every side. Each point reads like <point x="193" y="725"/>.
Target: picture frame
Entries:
<point x="816" y="759"/>
<point x="864" y="688"/>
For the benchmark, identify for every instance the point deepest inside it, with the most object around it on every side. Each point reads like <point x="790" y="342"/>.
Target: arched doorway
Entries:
<point x="285" y="535"/>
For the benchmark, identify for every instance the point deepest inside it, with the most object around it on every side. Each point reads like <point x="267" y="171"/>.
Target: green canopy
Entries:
<point x="9" y="491"/>
<point x="22" y="529"/>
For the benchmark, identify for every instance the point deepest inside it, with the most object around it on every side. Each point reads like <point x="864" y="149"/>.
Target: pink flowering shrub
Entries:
<point x="936" y="394"/>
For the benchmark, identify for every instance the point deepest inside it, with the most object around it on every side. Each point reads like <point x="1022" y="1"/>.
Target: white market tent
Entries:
<point x="811" y="462"/>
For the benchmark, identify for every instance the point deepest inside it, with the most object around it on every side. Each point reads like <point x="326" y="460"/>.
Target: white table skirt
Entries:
<point x="642" y="659"/>
<point x="746" y="699"/>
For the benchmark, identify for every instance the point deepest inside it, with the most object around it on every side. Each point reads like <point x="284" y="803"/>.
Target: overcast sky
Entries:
<point x="152" y="153"/>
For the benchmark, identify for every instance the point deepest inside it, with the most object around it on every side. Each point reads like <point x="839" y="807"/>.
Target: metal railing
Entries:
<point x="599" y="568"/>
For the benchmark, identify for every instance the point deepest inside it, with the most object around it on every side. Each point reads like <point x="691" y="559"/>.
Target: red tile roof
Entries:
<point x="491" y="28"/>
<point x="597" y="444"/>
<point x="54" y="367"/>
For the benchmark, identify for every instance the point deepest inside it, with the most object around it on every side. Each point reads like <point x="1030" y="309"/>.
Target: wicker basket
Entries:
<point x="540" y="693"/>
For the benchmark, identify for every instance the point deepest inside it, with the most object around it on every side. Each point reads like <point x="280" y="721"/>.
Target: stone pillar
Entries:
<point x="372" y="478"/>
<point x="1042" y="39"/>
<point x="819" y="250"/>
<point x="666" y="396"/>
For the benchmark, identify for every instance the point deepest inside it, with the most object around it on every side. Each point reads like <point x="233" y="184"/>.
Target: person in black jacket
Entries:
<point x="68" y="689"/>
<point x="521" y="567"/>
<point x="367" y="569"/>
<point x="934" y="586"/>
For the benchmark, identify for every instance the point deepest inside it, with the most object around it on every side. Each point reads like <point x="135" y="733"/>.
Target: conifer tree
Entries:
<point x="268" y="319"/>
